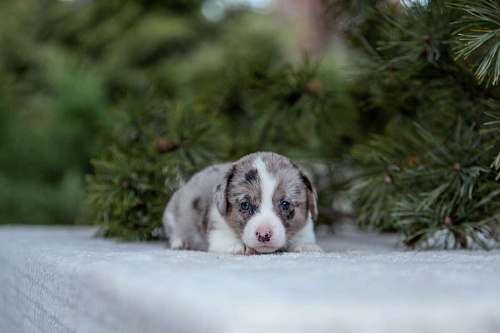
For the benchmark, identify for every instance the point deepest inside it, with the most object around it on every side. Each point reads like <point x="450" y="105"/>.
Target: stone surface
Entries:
<point x="61" y="279"/>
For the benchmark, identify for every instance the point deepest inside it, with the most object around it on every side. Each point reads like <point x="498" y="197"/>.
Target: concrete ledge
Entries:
<point x="60" y="279"/>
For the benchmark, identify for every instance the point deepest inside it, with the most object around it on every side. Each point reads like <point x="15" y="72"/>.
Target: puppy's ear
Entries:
<point x="311" y="197"/>
<point x="220" y="192"/>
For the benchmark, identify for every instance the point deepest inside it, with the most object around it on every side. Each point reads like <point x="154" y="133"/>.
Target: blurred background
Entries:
<point x="106" y="107"/>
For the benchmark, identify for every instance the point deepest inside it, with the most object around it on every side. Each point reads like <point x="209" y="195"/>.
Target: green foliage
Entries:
<point x="300" y="110"/>
<point x="493" y="128"/>
<point x="411" y="39"/>
<point x="427" y="174"/>
<point x="430" y="189"/>
<point x="278" y="109"/>
<point x="66" y="64"/>
<point x="245" y="46"/>
<point x="155" y="146"/>
<point x="47" y="141"/>
<point x="478" y="34"/>
<point x="127" y="196"/>
<point x="356" y="19"/>
<point x="30" y="202"/>
<point x="426" y="131"/>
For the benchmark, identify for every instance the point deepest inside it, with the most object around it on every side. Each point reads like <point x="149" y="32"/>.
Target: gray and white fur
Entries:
<point x="262" y="203"/>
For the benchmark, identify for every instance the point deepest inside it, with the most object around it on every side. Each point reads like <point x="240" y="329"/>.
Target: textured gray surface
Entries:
<point x="60" y="279"/>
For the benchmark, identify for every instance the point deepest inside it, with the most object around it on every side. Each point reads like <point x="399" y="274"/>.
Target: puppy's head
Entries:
<point x="266" y="200"/>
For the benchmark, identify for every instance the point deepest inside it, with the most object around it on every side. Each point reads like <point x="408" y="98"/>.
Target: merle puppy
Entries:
<point x="260" y="204"/>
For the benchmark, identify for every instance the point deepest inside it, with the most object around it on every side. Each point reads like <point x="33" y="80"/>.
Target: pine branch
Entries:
<point x="438" y="193"/>
<point x="420" y="36"/>
<point x="479" y="37"/>
<point x="494" y="128"/>
<point x="127" y="195"/>
<point x="157" y="146"/>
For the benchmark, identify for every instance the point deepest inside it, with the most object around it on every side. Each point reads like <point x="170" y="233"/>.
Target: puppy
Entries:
<point x="260" y="204"/>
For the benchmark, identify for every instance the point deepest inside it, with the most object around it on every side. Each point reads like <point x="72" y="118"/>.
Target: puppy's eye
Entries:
<point x="285" y="205"/>
<point x="245" y="206"/>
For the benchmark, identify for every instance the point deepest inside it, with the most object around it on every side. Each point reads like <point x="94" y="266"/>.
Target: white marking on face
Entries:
<point x="266" y="218"/>
<point x="268" y="184"/>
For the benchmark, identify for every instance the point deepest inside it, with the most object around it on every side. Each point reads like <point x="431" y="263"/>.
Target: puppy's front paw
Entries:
<point x="305" y="247"/>
<point x="241" y="249"/>
<point x="179" y="244"/>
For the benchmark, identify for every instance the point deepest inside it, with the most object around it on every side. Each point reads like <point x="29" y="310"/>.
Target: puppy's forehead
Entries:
<point x="275" y="164"/>
<point x="258" y="167"/>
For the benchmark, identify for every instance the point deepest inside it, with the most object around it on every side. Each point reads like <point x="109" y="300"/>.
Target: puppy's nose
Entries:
<point x="263" y="235"/>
